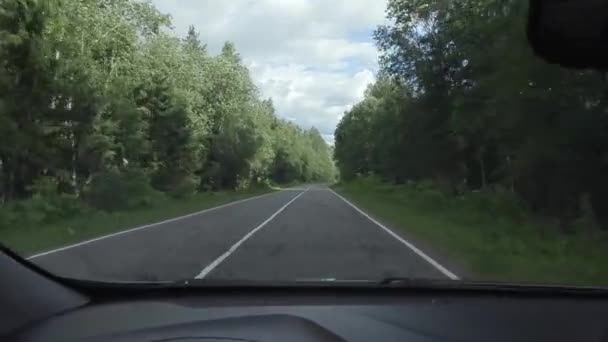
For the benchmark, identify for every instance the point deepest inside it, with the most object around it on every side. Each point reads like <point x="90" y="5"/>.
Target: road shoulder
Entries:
<point x="442" y="257"/>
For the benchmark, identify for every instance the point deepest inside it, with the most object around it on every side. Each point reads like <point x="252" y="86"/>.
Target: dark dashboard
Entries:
<point x="321" y="315"/>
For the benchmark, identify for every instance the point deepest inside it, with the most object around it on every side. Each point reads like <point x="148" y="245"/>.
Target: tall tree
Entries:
<point x="128" y="101"/>
<point x="475" y="118"/>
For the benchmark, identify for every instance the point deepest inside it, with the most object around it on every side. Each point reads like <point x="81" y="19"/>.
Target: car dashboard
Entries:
<point x="327" y="314"/>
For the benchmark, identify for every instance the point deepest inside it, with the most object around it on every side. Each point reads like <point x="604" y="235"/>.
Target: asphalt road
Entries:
<point x="306" y="233"/>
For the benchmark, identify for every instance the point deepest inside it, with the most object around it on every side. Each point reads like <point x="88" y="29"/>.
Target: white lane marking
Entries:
<point x="410" y="245"/>
<point x="148" y="226"/>
<point x="231" y="250"/>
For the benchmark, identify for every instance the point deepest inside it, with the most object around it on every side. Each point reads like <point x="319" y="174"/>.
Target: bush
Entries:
<point x="586" y="222"/>
<point x="8" y="217"/>
<point x="186" y="187"/>
<point x="114" y="190"/>
<point x="46" y="205"/>
<point x="431" y="199"/>
<point x="507" y="204"/>
<point x="495" y="204"/>
<point x="367" y="182"/>
<point x="426" y="184"/>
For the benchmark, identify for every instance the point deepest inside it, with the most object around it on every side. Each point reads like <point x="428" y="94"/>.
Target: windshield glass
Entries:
<point x="297" y="141"/>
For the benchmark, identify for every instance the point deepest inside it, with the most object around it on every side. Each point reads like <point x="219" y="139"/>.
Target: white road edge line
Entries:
<point x="410" y="245"/>
<point x="233" y="248"/>
<point x="148" y="226"/>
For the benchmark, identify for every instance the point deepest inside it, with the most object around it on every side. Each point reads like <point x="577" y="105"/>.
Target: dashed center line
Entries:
<point x="233" y="248"/>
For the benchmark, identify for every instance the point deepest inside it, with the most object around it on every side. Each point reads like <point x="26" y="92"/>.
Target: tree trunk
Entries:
<point x="482" y="169"/>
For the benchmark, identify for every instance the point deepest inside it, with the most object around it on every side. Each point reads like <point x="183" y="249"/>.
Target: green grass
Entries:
<point x="492" y="237"/>
<point x="29" y="240"/>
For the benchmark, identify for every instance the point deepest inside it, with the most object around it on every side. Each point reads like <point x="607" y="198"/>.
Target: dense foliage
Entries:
<point x="101" y="101"/>
<point x="462" y="101"/>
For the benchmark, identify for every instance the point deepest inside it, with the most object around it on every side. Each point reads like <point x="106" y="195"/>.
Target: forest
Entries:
<point x="462" y="103"/>
<point x="103" y="105"/>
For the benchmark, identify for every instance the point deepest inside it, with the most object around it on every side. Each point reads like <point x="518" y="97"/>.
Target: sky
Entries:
<point x="314" y="58"/>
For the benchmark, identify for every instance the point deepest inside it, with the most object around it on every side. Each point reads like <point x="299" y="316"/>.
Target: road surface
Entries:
<point x="306" y="233"/>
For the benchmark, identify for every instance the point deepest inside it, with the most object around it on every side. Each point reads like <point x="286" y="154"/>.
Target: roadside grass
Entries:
<point x="489" y="234"/>
<point x="30" y="239"/>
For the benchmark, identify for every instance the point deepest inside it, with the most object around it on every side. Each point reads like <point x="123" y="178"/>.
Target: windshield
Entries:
<point x="297" y="141"/>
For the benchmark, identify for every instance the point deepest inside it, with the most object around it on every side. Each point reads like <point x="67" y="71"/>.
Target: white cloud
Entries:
<point x="313" y="57"/>
<point x="312" y="97"/>
<point x="326" y="52"/>
<point x="329" y="138"/>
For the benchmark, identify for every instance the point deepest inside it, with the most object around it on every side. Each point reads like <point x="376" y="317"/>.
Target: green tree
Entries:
<point x="476" y="118"/>
<point x="128" y="101"/>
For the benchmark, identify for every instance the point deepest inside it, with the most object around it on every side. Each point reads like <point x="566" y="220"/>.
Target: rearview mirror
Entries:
<point x="572" y="33"/>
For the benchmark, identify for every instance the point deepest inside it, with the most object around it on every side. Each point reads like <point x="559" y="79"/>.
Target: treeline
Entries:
<point x="99" y="97"/>
<point x="462" y="101"/>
